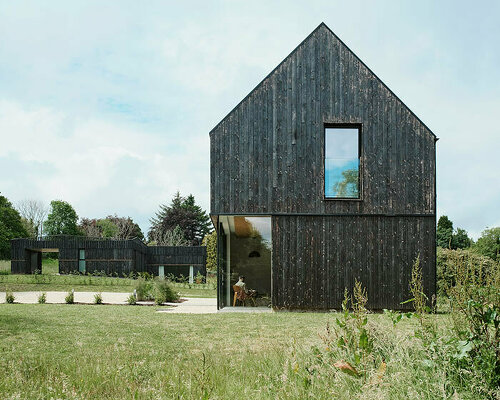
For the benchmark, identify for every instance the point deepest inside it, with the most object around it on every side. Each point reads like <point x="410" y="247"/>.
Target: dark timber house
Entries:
<point x="320" y="176"/>
<point x="110" y="256"/>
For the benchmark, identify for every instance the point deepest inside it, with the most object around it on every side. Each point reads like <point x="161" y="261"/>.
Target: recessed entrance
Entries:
<point x="245" y="245"/>
<point x="44" y="261"/>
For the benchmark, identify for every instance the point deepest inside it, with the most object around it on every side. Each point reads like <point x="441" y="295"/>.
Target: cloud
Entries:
<point x="109" y="105"/>
<point x="99" y="167"/>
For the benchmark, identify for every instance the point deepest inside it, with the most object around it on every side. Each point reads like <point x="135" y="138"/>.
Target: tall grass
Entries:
<point x="133" y="352"/>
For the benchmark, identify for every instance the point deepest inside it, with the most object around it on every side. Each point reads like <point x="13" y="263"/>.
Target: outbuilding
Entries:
<point x="322" y="176"/>
<point x="118" y="257"/>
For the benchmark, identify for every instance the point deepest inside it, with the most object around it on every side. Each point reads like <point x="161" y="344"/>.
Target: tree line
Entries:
<point x="181" y="222"/>
<point x="488" y="244"/>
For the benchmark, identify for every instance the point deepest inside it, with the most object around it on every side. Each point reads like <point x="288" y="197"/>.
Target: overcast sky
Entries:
<point x="108" y="105"/>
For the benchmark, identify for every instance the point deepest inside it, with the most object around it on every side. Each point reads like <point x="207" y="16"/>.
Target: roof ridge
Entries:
<point x="267" y="76"/>
<point x="322" y="24"/>
<point x="380" y="80"/>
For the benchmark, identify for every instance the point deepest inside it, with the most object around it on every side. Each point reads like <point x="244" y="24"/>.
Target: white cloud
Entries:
<point x="109" y="105"/>
<point x="99" y="167"/>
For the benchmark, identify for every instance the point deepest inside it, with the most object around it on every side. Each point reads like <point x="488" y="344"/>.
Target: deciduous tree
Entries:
<point x="108" y="228"/>
<point x="444" y="232"/>
<point x="210" y="241"/>
<point x="174" y="237"/>
<point x="90" y="228"/>
<point x="111" y="227"/>
<point x="489" y="243"/>
<point x="460" y="239"/>
<point x="127" y="228"/>
<point x="11" y="226"/>
<point x="62" y="219"/>
<point x="447" y="238"/>
<point x="33" y="213"/>
<point x="348" y="186"/>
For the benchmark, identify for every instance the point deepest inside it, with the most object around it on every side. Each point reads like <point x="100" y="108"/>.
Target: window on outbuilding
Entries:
<point x="81" y="261"/>
<point x="342" y="162"/>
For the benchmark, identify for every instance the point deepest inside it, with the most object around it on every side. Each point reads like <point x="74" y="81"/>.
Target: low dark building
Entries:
<point x="109" y="256"/>
<point x="319" y="177"/>
<point x="177" y="261"/>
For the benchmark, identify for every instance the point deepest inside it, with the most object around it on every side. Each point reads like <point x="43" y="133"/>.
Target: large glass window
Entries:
<point x="246" y="252"/>
<point x="342" y="163"/>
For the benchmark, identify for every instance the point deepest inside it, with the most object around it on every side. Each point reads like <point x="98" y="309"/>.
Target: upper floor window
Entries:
<point x="342" y="163"/>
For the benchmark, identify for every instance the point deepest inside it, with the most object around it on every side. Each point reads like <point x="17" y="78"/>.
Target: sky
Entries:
<point x="108" y="105"/>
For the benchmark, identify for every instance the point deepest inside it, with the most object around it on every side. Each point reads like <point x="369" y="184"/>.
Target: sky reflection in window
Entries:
<point x="341" y="163"/>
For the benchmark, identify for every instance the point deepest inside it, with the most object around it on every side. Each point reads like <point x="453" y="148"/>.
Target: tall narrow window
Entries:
<point x="342" y="163"/>
<point x="81" y="261"/>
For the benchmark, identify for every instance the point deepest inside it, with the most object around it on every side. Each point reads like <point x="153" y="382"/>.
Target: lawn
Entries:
<point x="50" y="266"/>
<point x="48" y="280"/>
<point x="110" y="352"/>
<point x="4" y="266"/>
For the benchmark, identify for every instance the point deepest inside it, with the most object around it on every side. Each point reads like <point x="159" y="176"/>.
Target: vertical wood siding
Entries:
<point x="267" y="158"/>
<point x="315" y="258"/>
<point x="267" y="154"/>
<point x="112" y="257"/>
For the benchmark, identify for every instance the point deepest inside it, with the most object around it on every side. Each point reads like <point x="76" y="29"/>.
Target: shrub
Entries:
<point x="210" y="241"/>
<point x="70" y="297"/>
<point x="42" y="298"/>
<point x="199" y="278"/>
<point x="489" y="243"/>
<point x="475" y="303"/>
<point x="4" y="272"/>
<point x="131" y="300"/>
<point x="160" y="297"/>
<point x="98" y="298"/>
<point x="9" y="297"/>
<point x="453" y="262"/>
<point x="144" y="289"/>
<point x="163" y="292"/>
<point x="145" y="275"/>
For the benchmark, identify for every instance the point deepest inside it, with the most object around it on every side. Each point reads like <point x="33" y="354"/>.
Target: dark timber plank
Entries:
<point x="267" y="157"/>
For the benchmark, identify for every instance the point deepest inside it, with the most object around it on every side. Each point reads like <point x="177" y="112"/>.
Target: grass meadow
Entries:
<point x="110" y="352"/>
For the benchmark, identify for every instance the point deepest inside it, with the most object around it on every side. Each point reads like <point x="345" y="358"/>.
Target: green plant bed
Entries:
<point x="65" y="288"/>
<point x="44" y="283"/>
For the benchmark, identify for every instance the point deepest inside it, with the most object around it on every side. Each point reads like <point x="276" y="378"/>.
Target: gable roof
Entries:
<point x="323" y="25"/>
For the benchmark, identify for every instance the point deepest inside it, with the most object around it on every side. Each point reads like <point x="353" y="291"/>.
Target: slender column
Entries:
<point x="228" y="270"/>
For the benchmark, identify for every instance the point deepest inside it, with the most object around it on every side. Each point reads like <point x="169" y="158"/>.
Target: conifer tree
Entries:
<point x="185" y="213"/>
